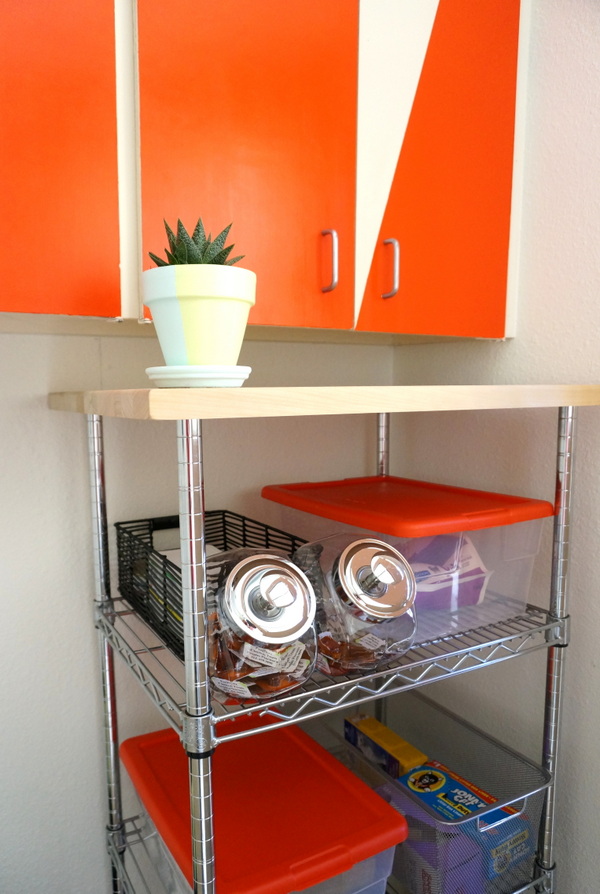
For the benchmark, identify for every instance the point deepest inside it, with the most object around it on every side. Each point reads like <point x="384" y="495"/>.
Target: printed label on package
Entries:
<point x="371" y="642"/>
<point x="300" y="670"/>
<point x="445" y="791"/>
<point x="290" y="657"/>
<point x="283" y="660"/>
<point x="258" y="657"/>
<point x="511" y="845"/>
<point x="232" y="687"/>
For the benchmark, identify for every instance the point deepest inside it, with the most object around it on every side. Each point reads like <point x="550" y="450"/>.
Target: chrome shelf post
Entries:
<point x="383" y="443"/>
<point x="558" y="610"/>
<point x="197" y="727"/>
<point x="383" y="468"/>
<point x="102" y="597"/>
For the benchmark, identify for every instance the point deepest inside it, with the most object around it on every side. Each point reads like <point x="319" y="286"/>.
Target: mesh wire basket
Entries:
<point x="491" y="850"/>
<point x="151" y="581"/>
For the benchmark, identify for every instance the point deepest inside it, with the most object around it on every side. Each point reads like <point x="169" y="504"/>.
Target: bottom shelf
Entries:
<point x="132" y="861"/>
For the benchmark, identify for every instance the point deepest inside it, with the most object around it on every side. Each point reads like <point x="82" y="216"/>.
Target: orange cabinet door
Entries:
<point x="59" y="236"/>
<point x="443" y="246"/>
<point x="248" y="115"/>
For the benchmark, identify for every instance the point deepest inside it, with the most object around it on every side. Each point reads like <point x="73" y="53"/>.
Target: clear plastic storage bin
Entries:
<point x="471" y="579"/>
<point x="288" y="817"/>
<point x="472" y="552"/>
<point x="367" y="877"/>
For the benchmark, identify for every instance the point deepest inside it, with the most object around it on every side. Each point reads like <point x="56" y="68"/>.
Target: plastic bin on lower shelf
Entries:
<point x="472" y="552"/>
<point x="288" y="816"/>
<point x="473" y="816"/>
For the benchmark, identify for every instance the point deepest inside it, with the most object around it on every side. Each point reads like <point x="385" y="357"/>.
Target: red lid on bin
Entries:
<point x="407" y="508"/>
<point x="287" y="814"/>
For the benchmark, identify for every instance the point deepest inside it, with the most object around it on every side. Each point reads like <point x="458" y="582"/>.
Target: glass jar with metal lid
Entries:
<point x="365" y="593"/>
<point x="261" y="624"/>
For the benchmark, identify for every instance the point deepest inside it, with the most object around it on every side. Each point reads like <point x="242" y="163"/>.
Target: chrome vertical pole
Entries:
<point x="563" y="502"/>
<point x="102" y="595"/>
<point x="383" y="468"/>
<point x="383" y="443"/>
<point x="197" y="731"/>
<point x="558" y="610"/>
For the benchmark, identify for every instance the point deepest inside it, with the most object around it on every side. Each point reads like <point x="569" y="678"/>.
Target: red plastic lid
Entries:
<point x="287" y="814"/>
<point x="407" y="508"/>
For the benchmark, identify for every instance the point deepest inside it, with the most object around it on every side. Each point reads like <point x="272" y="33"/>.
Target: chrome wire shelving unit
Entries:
<point x="180" y="690"/>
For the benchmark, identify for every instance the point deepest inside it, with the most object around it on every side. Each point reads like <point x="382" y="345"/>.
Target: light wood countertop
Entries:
<point x="246" y="402"/>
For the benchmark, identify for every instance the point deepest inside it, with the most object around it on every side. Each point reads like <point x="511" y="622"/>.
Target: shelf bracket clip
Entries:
<point x="560" y="633"/>
<point x="545" y="880"/>
<point x="198" y="735"/>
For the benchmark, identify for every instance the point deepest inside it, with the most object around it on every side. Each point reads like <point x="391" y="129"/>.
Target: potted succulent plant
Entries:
<point x="199" y="301"/>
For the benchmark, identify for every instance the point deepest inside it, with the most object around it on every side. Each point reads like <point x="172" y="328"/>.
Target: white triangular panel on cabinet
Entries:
<point x="393" y="40"/>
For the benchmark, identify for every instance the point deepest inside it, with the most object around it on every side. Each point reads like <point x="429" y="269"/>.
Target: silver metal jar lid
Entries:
<point x="376" y="578"/>
<point x="269" y="598"/>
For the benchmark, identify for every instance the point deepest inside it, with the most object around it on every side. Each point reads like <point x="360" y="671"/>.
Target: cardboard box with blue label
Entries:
<point x="381" y="745"/>
<point x="503" y="834"/>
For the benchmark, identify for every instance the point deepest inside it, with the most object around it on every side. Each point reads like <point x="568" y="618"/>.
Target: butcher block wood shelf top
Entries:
<point x="246" y="402"/>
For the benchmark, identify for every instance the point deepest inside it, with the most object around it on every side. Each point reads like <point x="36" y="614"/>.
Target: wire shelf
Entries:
<point x="162" y="674"/>
<point x="133" y="860"/>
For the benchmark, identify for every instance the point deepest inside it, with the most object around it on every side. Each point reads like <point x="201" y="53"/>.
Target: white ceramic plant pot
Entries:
<point x="200" y="311"/>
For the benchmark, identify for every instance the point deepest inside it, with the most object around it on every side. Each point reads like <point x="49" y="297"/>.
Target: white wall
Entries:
<point x="558" y="340"/>
<point x="51" y="785"/>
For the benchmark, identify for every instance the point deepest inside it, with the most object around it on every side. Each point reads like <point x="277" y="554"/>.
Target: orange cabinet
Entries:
<point x="59" y="227"/>
<point x="442" y="249"/>
<point x="361" y="148"/>
<point x="249" y="115"/>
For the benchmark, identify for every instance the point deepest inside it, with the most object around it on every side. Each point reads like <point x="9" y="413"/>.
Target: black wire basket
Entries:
<point x="151" y="582"/>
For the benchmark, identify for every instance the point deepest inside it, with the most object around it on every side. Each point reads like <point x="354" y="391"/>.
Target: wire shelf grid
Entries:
<point x="161" y="673"/>
<point x="133" y="860"/>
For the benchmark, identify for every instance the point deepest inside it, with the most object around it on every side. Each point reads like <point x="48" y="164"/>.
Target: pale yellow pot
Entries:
<point x="200" y="311"/>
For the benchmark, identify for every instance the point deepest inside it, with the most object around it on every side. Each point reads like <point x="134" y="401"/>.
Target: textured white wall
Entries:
<point x="558" y="339"/>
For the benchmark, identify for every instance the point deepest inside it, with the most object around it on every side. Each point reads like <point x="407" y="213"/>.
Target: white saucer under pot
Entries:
<point x="198" y="376"/>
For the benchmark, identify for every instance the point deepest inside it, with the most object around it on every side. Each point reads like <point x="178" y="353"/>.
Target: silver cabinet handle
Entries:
<point x="334" y="259"/>
<point x="396" y="268"/>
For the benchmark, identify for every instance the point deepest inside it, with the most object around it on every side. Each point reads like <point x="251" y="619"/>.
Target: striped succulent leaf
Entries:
<point x="197" y="248"/>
